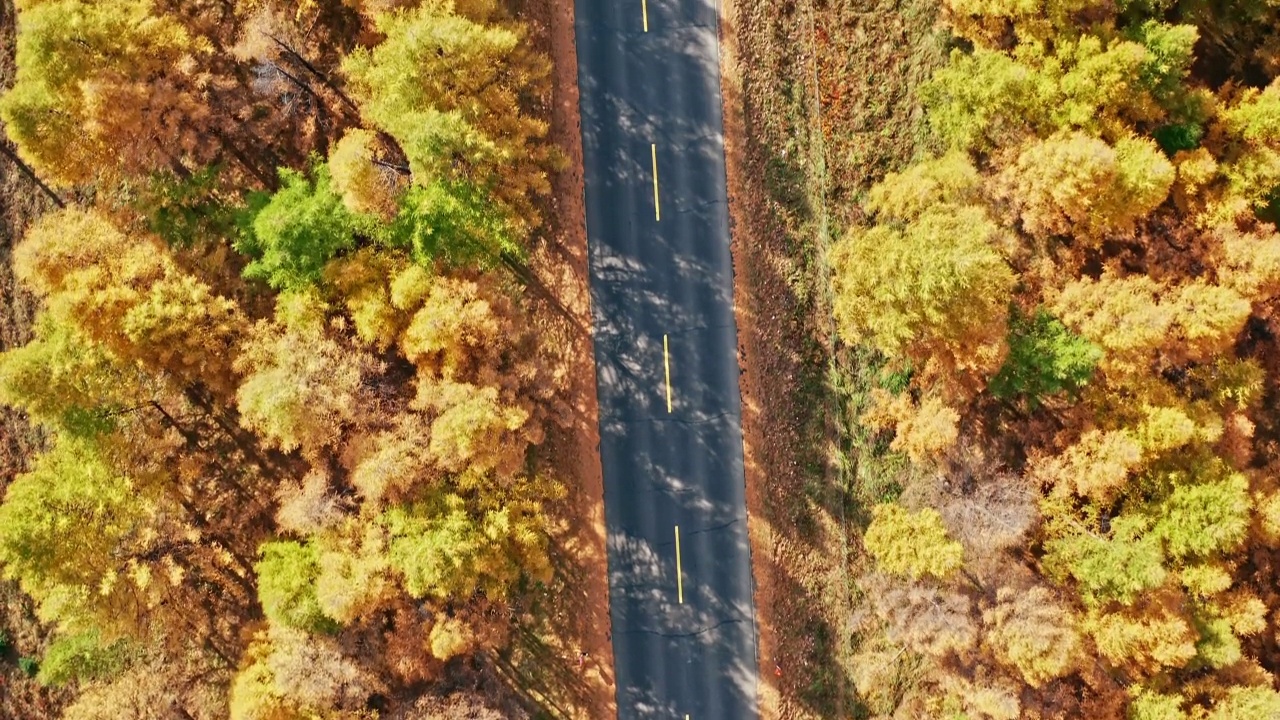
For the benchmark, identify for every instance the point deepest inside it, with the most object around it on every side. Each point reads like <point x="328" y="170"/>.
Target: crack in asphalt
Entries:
<point x="703" y="631"/>
<point x="714" y="528"/>
<point x="640" y="31"/>
<point x="671" y="419"/>
<point x="669" y="543"/>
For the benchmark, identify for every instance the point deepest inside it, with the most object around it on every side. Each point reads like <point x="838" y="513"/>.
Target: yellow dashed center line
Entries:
<point x="644" y="8"/>
<point x="679" y="571"/>
<point x="657" y="212"/>
<point x="666" y="364"/>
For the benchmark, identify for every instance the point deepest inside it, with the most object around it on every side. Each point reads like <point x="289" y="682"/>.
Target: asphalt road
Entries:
<point x="684" y="637"/>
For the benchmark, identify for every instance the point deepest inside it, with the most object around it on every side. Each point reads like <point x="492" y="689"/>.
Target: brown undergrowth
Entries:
<point x="819" y="104"/>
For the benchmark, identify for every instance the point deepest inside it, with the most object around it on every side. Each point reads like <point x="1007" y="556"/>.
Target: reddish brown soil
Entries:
<point x="572" y="616"/>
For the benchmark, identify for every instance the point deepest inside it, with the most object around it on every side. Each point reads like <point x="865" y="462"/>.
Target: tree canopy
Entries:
<point x="289" y="380"/>
<point x="1068" y="280"/>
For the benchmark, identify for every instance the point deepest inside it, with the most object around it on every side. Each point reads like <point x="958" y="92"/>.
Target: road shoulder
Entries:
<point x="750" y="299"/>
<point x="564" y="658"/>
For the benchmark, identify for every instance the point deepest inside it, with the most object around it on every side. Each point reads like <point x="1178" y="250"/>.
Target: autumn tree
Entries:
<point x="301" y="495"/>
<point x="128" y="295"/>
<point x="187" y="687"/>
<point x="912" y="544"/>
<point x="1033" y="632"/>
<point x="936" y="292"/>
<point x="104" y="88"/>
<point x="447" y="83"/>
<point x="301" y="388"/>
<point x="292" y="674"/>
<point x="1126" y="191"/>
<point x="368" y="184"/>
<point x="1078" y="185"/>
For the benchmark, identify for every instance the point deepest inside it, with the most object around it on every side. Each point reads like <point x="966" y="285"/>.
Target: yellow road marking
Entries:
<point x="666" y="363"/>
<point x="657" y="212"/>
<point x="644" y="7"/>
<point x="679" y="572"/>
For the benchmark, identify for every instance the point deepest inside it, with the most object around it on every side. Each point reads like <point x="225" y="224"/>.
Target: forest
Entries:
<point x="1071" y="305"/>
<point x="289" y="393"/>
<point x="293" y="404"/>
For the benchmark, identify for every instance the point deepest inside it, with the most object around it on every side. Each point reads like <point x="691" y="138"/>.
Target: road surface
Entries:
<point x="680" y="586"/>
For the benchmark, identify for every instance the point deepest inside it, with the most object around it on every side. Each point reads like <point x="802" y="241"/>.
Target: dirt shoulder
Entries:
<point x="819" y="103"/>
<point x="571" y="616"/>
<point x="772" y="330"/>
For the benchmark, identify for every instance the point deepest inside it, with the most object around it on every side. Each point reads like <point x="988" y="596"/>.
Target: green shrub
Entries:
<point x="29" y="666"/>
<point x="82" y="656"/>
<point x="1045" y="358"/>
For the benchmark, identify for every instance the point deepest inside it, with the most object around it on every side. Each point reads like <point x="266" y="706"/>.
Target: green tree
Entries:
<point x="1151" y="705"/>
<point x="287" y="576"/>
<point x="1206" y="518"/>
<point x="84" y="657"/>
<point x="985" y="99"/>
<point x="292" y="234"/>
<point x="445" y="547"/>
<point x="68" y="530"/>
<point x="1242" y="703"/>
<point x="65" y="382"/>
<point x="454" y="223"/>
<point x="1251" y="126"/>
<point x="995" y="98"/>
<point x="1119" y="566"/>
<point x="1045" y="358"/>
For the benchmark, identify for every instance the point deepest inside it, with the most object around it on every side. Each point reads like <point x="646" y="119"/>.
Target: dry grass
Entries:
<point x="819" y="105"/>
